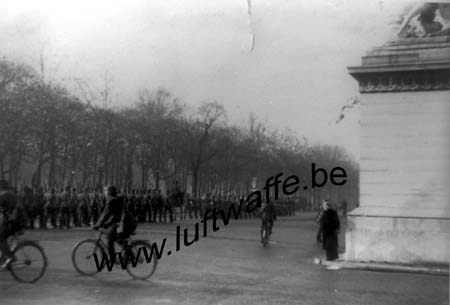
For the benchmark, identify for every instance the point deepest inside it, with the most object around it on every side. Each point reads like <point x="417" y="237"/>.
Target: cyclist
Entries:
<point x="110" y="217"/>
<point x="268" y="217"/>
<point x="10" y="220"/>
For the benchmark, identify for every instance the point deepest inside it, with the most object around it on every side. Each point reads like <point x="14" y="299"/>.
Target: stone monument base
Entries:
<point x="409" y="238"/>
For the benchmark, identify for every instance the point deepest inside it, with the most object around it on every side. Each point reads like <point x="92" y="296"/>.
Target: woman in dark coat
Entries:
<point x="330" y="226"/>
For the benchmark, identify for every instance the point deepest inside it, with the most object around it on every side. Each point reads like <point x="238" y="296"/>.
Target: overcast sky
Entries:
<point x="295" y="76"/>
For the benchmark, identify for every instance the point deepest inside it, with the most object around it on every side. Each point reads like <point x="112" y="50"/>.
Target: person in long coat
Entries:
<point x="330" y="227"/>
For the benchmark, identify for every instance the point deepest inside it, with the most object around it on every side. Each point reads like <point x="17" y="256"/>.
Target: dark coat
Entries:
<point x="8" y="203"/>
<point x="112" y="212"/>
<point x="269" y="213"/>
<point x="12" y="212"/>
<point x="330" y="227"/>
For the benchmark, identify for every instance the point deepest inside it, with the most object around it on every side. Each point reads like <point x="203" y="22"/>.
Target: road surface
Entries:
<point x="227" y="267"/>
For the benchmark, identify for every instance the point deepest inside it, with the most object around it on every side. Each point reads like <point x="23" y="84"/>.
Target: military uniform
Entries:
<point x="51" y="208"/>
<point x="8" y="213"/>
<point x="64" y="209"/>
<point x="148" y="206"/>
<point x="39" y="202"/>
<point x="83" y="200"/>
<point x="157" y="203"/>
<point x="29" y="208"/>
<point x="188" y="207"/>
<point x="132" y="204"/>
<point x="94" y="206"/>
<point x="73" y="209"/>
<point x="168" y="208"/>
<point x="140" y="207"/>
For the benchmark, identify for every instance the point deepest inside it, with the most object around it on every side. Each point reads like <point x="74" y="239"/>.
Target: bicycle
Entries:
<point x="83" y="253"/>
<point x="29" y="261"/>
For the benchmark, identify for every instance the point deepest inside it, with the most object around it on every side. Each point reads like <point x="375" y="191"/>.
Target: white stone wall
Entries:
<point x="405" y="152"/>
<point x="397" y="240"/>
<point x="404" y="179"/>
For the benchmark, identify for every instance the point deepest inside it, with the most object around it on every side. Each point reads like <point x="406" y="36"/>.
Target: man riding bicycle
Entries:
<point x="110" y="217"/>
<point x="268" y="217"/>
<point x="9" y="219"/>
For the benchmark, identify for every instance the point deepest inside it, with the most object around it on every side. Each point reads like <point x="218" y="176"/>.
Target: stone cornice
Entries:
<point x="398" y="81"/>
<point x="407" y="65"/>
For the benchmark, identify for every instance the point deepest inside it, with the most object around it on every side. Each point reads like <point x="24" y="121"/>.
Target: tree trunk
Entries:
<point x="129" y="174"/>
<point x="2" y="169"/>
<point x="94" y="172"/>
<point x="106" y="168"/>
<point x="195" y="180"/>
<point x="157" y="178"/>
<point x="52" y="167"/>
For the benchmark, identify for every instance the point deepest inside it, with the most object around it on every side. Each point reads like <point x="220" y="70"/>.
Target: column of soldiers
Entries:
<point x="68" y="207"/>
<point x="62" y="208"/>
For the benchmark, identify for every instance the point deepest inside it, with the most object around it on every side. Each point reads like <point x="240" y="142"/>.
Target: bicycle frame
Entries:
<point x="101" y="242"/>
<point x="100" y="233"/>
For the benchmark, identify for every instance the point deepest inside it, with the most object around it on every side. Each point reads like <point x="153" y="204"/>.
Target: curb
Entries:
<point x="340" y="264"/>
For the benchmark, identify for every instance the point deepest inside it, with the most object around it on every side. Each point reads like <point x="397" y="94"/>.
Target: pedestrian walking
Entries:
<point x="330" y="227"/>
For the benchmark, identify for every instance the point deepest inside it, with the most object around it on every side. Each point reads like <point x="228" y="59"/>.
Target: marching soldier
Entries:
<point x="168" y="208"/>
<point x="83" y="200"/>
<point x="157" y="203"/>
<point x="64" y="208"/>
<point x="212" y="203"/>
<point x="203" y="203"/>
<point x="29" y="208"/>
<point x="132" y="203"/>
<point x="196" y="207"/>
<point x="39" y="201"/>
<point x="148" y="205"/>
<point x="188" y="206"/>
<point x="51" y="208"/>
<point x="73" y="209"/>
<point x="102" y="200"/>
<point x="94" y="206"/>
<point x="140" y="207"/>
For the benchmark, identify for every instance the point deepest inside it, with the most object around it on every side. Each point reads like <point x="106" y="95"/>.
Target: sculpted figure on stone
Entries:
<point x="427" y="19"/>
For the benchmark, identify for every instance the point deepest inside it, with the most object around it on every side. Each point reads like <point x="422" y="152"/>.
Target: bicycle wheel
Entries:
<point x="83" y="258"/>
<point x="137" y="265"/>
<point x="29" y="262"/>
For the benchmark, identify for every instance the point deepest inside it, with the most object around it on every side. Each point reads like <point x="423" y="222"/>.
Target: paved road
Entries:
<point x="227" y="267"/>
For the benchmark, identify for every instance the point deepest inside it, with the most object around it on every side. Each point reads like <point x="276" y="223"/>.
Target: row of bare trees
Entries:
<point x="49" y="136"/>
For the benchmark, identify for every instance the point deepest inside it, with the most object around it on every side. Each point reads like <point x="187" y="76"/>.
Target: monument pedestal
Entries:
<point x="404" y="214"/>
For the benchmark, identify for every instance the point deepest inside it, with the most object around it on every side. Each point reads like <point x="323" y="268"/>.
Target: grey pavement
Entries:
<point x="228" y="267"/>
